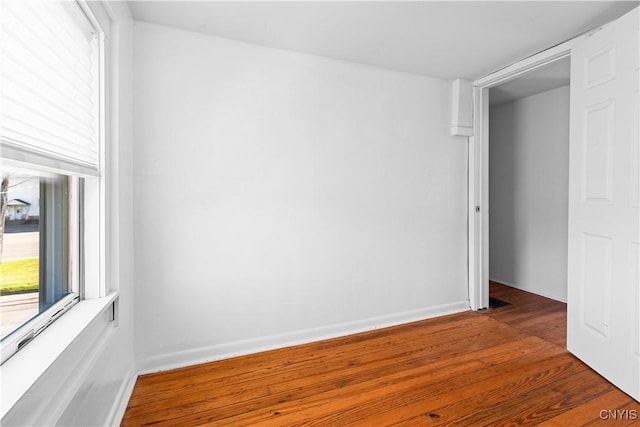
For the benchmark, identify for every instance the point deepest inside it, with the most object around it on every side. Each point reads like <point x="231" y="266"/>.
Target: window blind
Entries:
<point x="49" y="92"/>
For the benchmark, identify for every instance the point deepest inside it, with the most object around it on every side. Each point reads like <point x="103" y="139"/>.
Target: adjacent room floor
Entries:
<point x="506" y="365"/>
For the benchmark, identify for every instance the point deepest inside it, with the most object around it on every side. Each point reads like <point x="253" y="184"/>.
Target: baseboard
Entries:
<point x="181" y="359"/>
<point x="531" y="290"/>
<point x="122" y="399"/>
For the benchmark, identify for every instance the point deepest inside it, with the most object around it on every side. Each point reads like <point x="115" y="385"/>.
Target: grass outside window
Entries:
<point x="18" y="276"/>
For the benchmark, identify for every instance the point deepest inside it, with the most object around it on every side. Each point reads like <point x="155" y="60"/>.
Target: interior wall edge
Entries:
<point x="168" y="361"/>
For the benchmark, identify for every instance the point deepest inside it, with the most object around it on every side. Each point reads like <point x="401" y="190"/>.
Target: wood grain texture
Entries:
<point x="504" y="366"/>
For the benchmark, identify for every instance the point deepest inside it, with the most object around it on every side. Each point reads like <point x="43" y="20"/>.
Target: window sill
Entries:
<point x="22" y="370"/>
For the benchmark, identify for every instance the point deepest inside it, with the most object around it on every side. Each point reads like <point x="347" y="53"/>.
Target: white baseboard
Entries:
<point x="195" y="356"/>
<point x="122" y="400"/>
<point x="531" y="290"/>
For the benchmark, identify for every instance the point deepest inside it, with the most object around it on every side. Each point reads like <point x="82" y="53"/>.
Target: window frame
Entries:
<point x="87" y="224"/>
<point x="71" y="345"/>
<point x="72" y="256"/>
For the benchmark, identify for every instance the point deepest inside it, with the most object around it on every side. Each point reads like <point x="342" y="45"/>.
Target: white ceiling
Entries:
<point x="541" y="80"/>
<point x="439" y="39"/>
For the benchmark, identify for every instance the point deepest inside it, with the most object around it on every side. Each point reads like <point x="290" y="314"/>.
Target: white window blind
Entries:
<point x="49" y="91"/>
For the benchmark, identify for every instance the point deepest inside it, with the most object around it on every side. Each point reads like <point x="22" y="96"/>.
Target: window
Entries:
<point x="37" y="274"/>
<point x="51" y="163"/>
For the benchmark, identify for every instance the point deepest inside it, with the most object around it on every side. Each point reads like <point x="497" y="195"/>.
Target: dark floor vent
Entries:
<point x="495" y="303"/>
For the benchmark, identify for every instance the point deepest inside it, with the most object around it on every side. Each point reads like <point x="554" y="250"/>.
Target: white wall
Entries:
<point x="529" y="176"/>
<point x="330" y="198"/>
<point x="89" y="384"/>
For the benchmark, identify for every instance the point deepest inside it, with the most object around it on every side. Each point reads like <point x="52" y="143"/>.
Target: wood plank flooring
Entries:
<point x="503" y="366"/>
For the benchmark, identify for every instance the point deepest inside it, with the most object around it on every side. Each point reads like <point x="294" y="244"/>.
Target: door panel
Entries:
<point x="600" y="67"/>
<point x="596" y="310"/>
<point x="598" y="147"/>
<point x="604" y="220"/>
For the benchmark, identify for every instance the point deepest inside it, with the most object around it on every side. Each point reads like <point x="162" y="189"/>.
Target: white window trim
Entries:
<point x="19" y="373"/>
<point x="22" y="371"/>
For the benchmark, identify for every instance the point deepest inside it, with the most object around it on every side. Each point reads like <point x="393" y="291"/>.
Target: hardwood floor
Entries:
<point x="503" y="366"/>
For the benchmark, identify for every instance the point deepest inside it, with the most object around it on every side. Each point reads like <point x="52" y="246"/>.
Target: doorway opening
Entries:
<point x="521" y="80"/>
<point x="529" y="181"/>
<point x="528" y="191"/>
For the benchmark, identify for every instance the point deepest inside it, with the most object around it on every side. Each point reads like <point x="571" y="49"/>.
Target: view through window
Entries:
<point x="20" y="252"/>
<point x="34" y="246"/>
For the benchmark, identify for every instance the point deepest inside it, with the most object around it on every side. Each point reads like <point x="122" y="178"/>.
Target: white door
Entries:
<point x="604" y="195"/>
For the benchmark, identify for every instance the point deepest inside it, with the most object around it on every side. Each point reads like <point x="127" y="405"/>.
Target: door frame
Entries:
<point x="478" y="200"/>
